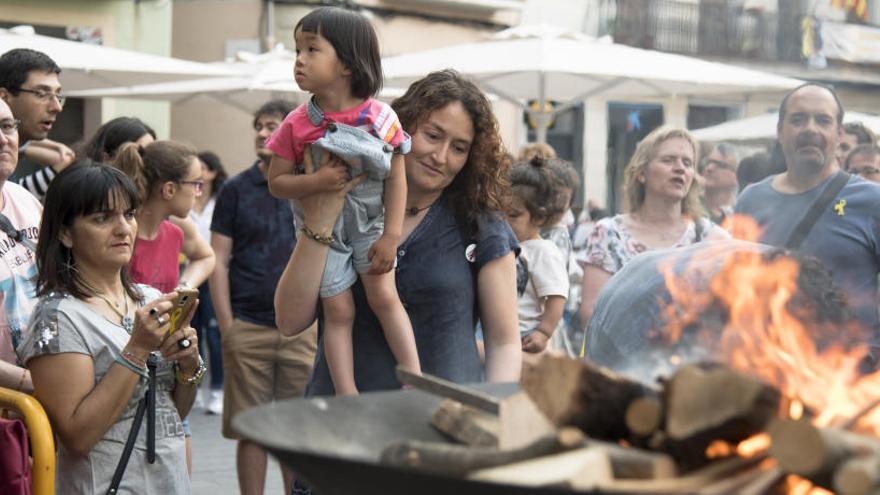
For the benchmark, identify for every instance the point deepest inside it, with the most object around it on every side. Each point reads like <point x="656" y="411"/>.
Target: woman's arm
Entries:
<point x="594" y="279"/>
<point x="82" y="411"/>
<point x="198" y="252"/>
<point x="15" y="378"/>
<point x="496" y="289"/>
<point x="296" y="295"/>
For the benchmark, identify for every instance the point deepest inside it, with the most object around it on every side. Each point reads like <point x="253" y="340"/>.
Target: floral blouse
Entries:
<point x="610" y="245"/>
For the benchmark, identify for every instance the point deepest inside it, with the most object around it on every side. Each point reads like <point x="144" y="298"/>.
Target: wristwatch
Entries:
<point x="196" y="377"/>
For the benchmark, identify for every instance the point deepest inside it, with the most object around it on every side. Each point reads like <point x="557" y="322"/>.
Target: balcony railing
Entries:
<point x="720" y="28"/>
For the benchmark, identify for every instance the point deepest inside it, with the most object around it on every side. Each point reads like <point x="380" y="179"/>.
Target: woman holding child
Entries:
<point x="455" y="258"/>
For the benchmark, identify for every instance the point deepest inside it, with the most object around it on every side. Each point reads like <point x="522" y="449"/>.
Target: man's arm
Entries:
<point x="219" y="280"/>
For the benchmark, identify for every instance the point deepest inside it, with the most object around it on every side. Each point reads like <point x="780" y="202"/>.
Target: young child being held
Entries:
<point x="338" y="62"/>
<point x="541" y="276"/>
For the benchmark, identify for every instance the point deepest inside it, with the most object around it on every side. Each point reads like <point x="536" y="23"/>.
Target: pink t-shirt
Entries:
<point x="157" y="262"/>
<point x="18" y="268"/>
<point x="297" y="131"/>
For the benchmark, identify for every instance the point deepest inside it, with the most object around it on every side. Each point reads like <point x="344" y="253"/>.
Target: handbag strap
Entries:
<point x="14" y="234"/>
<point x="816" y="209"/>
<point x="129" y="446"/>
<point x="145" y="406"/>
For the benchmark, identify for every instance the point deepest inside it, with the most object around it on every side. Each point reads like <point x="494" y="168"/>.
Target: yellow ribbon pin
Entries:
<point x="839" y="207"/>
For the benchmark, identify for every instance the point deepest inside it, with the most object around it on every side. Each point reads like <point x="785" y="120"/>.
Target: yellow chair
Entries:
<point x="40" y="433"/>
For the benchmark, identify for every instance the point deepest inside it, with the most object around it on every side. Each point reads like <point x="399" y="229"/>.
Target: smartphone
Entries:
<point x="186" y="298"/>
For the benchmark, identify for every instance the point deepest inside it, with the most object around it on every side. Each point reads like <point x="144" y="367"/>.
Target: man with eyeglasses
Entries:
<point x="20" y="214"/>
<point x="29" y="85"/>
<point x="864" y="161"/>
<point x="718" y="175"/>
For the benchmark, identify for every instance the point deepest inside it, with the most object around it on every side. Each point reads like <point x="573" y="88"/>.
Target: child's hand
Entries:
<point x="535" y="342"/>
<point x="382" y="255"/>
<point x="333" y="175"/>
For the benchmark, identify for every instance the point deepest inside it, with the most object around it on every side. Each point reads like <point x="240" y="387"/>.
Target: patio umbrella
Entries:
<point x="257" y="79"/>
<point x="763" y="128"/>
<point x="87" y="66"/>
<point x="541" y="63"/>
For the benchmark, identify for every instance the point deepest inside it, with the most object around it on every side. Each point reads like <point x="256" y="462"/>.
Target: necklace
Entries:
<point x="127" y="322"/>
<point x="414" y="210"/>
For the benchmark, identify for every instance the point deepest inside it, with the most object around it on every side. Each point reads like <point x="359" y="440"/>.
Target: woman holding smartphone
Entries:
<point x="168" y="177"/>
<point x="93" y="334"/>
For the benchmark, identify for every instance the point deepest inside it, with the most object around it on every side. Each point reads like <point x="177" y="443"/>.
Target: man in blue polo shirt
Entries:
<point x="253" y="236"/>
<point x="846" y="233"/>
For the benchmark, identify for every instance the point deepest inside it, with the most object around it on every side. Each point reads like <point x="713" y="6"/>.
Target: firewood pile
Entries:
<point x="707" y="429"/>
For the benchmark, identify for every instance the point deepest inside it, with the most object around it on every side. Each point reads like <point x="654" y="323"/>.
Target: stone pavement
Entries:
<point x="214" y="460"/>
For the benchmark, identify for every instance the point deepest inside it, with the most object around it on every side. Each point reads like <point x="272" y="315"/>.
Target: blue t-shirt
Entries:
<point x="846" y="238"/>
<point x="437" y="286"/>
<point x="262" y="233"/>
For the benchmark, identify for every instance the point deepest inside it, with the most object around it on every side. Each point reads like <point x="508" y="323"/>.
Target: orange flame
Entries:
<point x="760" y="335"/>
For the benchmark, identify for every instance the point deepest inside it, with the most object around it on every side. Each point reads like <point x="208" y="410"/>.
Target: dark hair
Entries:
<point x="534" y="183"/>
<point x="212" y="161"/>
<point x="784" y="103"/>
<point x="355" y="42"/>
<point x="273" y="107"/>
<point x="105" y="142"/>
<point x="483" y="184"/>
<point x="18" y="63"/>
<point x="861" y="132"/>
<point x="862" y="149"/>
<point x="79" y="190"/>
<point x="151" y="165"/>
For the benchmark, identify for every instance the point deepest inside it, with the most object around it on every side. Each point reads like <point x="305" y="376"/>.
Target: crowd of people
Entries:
<point x="364" y="236"/>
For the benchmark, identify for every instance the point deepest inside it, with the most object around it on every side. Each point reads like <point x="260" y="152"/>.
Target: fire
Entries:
<point x="795" y="485"/>
<point x="760" y="333"/>
<point x="754" y="445"/>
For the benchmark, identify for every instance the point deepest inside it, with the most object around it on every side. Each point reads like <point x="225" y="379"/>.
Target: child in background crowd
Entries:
<point x="338" y="62"/>
<point x="558" y="230"/>
<point x="541" y="277"/>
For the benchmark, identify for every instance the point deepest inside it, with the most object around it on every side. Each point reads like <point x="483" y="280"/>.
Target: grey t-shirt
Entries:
<point x="63" y="324"/>
<point x="846" y="238"/>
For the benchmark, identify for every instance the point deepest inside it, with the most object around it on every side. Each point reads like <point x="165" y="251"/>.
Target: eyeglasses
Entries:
<point x="198" y="185"/>
<point x="45" y="96"/>
<point x="866" y="172"/>
<point x="10" y="127"/>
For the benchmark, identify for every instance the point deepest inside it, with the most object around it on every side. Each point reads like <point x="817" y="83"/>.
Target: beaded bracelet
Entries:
<point x="327" y="240"/>
<point x="124" y="361"/>
<point x="131" y="358"/>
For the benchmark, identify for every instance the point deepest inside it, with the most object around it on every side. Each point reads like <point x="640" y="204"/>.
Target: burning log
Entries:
<point x="574" y="393"/>
<point x="817" y="453"/>
<point x="858" y="476"/>
<point x="709" y="402"/>
<point x="694" y="481"/>
<point x="466" y="424"/>
<point x="458" y="460"/>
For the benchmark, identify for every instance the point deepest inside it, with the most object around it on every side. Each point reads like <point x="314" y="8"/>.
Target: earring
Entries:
<point x="68" y="263"/>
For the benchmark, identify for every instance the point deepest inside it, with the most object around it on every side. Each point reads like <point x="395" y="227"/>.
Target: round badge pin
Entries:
<point x="470" y="253"/>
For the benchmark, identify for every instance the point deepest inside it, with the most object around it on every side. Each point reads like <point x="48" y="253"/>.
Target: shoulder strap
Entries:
<point x="9" y="229"/>
<point x="816" y="209"/>
<point x="698" y="229"/>
<point x="147" y="406"/>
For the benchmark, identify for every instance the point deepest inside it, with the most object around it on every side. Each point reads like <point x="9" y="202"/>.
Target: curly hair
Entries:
<point x="483" y="185"/>
<point x="634" y="189"/>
